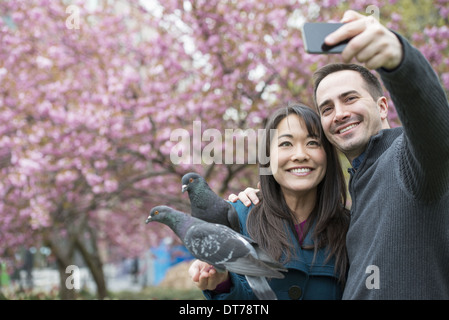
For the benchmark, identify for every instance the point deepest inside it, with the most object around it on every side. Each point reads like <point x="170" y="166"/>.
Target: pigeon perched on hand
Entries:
<point x="222" y="248"/>
<point x="206" y="204"/>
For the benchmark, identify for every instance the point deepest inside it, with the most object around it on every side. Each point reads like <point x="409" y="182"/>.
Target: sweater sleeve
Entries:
<point x="423" y="109"/>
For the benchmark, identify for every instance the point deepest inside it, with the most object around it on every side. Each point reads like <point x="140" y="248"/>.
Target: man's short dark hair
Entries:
<point x="372" y="82"/>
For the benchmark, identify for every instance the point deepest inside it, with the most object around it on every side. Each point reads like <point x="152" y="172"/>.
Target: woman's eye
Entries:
<point x="285" y="144"/>
<point x="314" y="143"/>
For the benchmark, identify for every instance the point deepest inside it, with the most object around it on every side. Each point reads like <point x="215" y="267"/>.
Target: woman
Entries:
<point x="301" y="219"/>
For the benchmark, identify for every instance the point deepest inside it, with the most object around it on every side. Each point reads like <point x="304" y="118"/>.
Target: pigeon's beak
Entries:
<point x="148" y="220"/>
<point x="184" y="188"/>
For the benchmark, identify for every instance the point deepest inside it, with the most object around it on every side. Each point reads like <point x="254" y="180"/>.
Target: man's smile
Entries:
<point x="346" y="128"/>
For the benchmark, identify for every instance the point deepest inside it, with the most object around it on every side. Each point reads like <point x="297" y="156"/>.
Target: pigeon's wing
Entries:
<point x="261" y="288"/>
<point x="209" y="207"/>
<point x="214" y="243"/>
<point x="221" y="247"/>
<point x="232" y="217"/>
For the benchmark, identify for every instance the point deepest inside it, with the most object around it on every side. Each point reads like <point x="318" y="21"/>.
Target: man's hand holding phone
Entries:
<point x="361" y="37"/>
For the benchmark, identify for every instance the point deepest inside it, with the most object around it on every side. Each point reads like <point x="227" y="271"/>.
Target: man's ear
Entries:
<point x="382" y="104"/>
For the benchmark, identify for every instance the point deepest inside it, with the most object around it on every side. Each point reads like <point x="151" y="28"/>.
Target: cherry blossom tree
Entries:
<point x="93" y="92"/>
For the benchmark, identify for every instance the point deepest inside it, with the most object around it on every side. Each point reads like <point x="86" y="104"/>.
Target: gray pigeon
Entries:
<point x="222" y="248"/>
<point x="206" y="204"/>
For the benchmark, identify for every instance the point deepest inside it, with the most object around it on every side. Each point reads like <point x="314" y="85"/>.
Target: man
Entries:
<point x="398" y="239"/>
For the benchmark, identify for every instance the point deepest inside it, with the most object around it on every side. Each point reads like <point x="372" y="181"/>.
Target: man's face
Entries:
<point x="349" y="114"/>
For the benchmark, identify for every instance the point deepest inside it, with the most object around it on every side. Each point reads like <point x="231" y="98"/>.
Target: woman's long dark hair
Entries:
<point x="267" y="222"/>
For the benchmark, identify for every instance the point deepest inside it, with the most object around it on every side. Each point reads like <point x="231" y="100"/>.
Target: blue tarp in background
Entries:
<point x="165" y="257"/>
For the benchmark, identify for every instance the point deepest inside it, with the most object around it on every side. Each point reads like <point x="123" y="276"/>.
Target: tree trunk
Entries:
<point x="94" y="264"/>
<point x="64" y="257"/>
<point x="64" y="292"/>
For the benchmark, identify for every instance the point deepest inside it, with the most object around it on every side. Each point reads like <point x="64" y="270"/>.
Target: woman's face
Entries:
<point x="297" y="160"/>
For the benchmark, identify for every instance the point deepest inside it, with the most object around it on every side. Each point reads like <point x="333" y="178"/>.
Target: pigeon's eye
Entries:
<point x="191" y="180"/>
<point x="156" y="213"/>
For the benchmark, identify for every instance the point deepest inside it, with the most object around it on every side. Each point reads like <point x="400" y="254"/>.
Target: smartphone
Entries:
<point x="313" y="34"/>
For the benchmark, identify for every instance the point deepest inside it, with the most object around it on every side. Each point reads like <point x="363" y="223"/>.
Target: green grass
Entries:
<point x="157" y="293"/>
<point x="149" y="293"/>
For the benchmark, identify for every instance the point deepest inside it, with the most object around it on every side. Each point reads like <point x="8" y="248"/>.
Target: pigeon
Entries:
<point x="223" y="248"/>
<point x="206" y="204"/>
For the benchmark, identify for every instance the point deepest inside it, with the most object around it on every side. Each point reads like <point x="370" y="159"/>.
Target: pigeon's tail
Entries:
<point x="261" y="288"/>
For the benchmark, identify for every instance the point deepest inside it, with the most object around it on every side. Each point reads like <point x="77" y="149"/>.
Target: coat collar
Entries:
<point x="307" y="260"/>
<point x="378" y="144"/>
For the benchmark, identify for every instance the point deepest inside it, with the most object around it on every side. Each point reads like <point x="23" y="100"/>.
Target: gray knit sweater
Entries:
<point x="398" y="239"/>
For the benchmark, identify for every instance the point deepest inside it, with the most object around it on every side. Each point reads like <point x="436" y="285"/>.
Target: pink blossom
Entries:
<point x="445" y="80"/>
<point x="93" y="179"/>
<point x="110" y="186"/>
